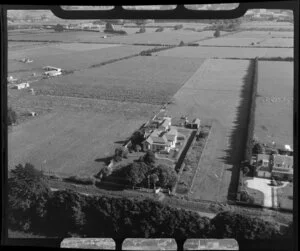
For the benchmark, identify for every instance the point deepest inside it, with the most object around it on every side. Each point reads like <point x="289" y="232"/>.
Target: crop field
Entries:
<point x="73" y="56"/>
<point x="278" y="42"/>
<point x="267" y="25"/>
<point x="69" y="139"/>
<point x="140" y="79"/>
<point x="213" y="94"/>
<point x="274" y="104"/>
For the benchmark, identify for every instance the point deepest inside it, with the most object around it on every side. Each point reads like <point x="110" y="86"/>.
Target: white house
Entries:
<point x="21" y="86"/>
<point x="51" y="68"/>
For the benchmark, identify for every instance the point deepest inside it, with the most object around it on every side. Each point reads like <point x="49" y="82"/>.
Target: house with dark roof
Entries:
<point x="263" y="166"/>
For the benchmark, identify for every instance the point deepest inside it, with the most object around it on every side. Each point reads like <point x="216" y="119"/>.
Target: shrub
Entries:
<point x="181" y="43"/>
<point x="58" y="28"/>
<point x="178" y="27"/>
<point x="160" y="29"/>
<point x="141" y="30"/>
<point x="80" y="180"/>
<point x="11" y="116"/>
<point x="217" y="33"/>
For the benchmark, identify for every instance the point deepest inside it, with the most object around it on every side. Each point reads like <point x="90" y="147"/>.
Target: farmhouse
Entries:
<point x="195" y="124"/>
<point x="20" y="86"/>
<point x="263" y="166"/>
<point x="282" y="166"/>
<point x="161" y="140"/>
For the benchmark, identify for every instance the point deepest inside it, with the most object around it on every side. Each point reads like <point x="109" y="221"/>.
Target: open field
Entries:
<point x="165" y="37"/>
<point x="267" y="25"/>
<point x="141" y="79"/>
<point x="73" y="56"/>
<point x="226" y="52"/>
<point x="68" y="139"/>
<point x="274" y="104"/>
<point x="213" y="94"/>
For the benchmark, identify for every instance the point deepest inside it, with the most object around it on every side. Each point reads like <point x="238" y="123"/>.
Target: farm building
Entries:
<point x="263" y="166"/>
<point x="51" y="68"/>
<point x="52" y="73"/>
<point x="20" y="86"/>
<point x="11" y="79"/>
<point x="195" y="124"/>
<point x="165" y="125"/>
<point x="282" y="166"/>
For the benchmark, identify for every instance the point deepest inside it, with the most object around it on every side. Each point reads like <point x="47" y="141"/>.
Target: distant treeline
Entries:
<point x="32" y="207"/>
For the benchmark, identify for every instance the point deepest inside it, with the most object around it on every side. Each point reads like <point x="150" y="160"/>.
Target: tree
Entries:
<point x="217" y="33"/>
<point x="245" y="170"/>
<point x="120" y="152"/>
<point x="238" y="226"/>
<point x="149" y="158"/>
<point x="142" y="30"/>
<point x="11" y="116"/>
<point x="167" y="176"/>
<point x="28" y="192"/>
<point x="58" y="28"/>
<point x="136" y="173"/>
<point x="109" y="27"/>
<point x="154" y="179"/>
<point x="258" y="148"/>
<point x="181" y="43"/>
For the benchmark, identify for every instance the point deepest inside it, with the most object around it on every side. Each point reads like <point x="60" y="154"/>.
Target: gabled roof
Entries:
<point x="282" y="159"/>
<point x="196" y="121"/>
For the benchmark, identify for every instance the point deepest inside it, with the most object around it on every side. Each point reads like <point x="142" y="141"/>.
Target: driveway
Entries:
<point x="270" y="192"/>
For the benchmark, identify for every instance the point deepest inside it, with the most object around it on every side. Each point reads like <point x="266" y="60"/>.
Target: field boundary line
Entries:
<point x="204" y="148"/>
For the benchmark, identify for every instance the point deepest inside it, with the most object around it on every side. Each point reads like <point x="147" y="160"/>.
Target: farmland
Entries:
<point x="141" y="79"/>
<point x="274" y="104"/>
<point x="226" y="52"/>
<point x="69" y="137"/>
<point x="202" y="97"/>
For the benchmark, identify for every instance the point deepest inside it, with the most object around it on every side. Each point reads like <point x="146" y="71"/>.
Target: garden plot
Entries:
<point x="213" y="94"/>
<point x="274" y="104"/>
<point x="140" y="79"/>
<point x="75" y="136"/>
<point x="226" y="52"/>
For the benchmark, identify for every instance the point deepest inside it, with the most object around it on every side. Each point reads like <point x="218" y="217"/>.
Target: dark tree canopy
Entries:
<point x="217" y="33"/>
<point x="258" y="148"/>
<point x="167" y="176"/>
<point x="11" y="116"/>
<point x="58" y="28"/>
<point x="137" y="173"/>
<point x="149" y="158"/>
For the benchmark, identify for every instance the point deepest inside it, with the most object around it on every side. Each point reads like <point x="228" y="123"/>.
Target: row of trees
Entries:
<point x="11" y="116"/>
<point x="33" y="207"/>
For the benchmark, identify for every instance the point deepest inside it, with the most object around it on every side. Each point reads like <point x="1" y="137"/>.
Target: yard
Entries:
<point x="285" y="197"/>
<point x="274" y="103"/>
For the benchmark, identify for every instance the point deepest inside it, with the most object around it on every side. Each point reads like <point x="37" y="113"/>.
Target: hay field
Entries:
<point x="213" y="94"/>
<point x="226" y="52"/>
<point x="70" y="137"/>
<point x="274" y="104"/>
<point x="151" y="80"/>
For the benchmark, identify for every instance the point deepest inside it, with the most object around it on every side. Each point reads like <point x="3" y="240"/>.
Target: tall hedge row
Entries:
<point x="251" y="114"/>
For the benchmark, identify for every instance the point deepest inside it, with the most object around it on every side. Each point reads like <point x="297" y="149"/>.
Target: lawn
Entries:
<point x="226" y="52"/>
<point x="74" y="135"/>
<point x="285" y="196"/>
<point x="213" y="94"/>
<point x="274" y="104"/>
<point x="140" y="79"/>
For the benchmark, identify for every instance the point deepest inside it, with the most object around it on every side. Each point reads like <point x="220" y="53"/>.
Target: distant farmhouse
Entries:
<point x="52" y="71"/>
<point x="20" y="86"/>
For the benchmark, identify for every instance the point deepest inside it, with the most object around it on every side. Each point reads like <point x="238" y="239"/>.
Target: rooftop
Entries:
<point x="282" y="159"/>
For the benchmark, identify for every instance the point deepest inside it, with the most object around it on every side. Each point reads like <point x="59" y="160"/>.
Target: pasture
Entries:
<point x="213" y="94"/>
<point x="226" y="52"/>
<point x="73" y="56"/>
<point x="166" y="37"/>
<point x="75" y="134"/>
<point x="151" y="80"/>
<point x="274" y="102"/>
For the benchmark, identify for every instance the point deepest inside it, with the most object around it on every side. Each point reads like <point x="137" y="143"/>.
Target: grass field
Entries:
<point x="73" y="56"/>
<point x="213" y="94"/>
<point x="168" y="37"/>
<point x="70" y="137"/>
<point x="140" y="79"/>
<point x="226" y="52"/>
<point x="274" y="104"/>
